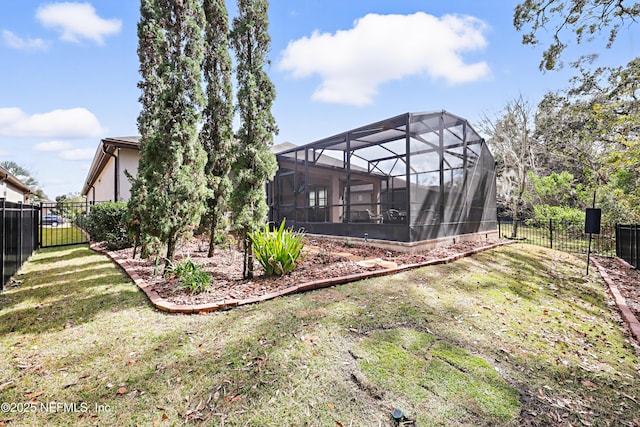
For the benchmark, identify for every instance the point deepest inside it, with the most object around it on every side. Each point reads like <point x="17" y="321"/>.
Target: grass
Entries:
<point x="62" y="235"/>
<point x="512" y="336"/>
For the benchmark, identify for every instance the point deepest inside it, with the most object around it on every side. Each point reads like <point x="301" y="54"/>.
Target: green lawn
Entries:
<point x="515" y="332"/>
<point x="62" y="235"/>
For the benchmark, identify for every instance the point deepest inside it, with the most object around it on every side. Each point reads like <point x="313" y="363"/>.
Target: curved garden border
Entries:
<point x="621" y="302"/>
<point x="164" y="305"/>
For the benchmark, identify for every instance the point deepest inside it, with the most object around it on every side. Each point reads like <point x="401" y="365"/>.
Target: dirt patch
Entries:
<point x="325" y="259"/>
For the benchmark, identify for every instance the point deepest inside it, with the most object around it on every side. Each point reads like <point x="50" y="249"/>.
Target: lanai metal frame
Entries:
<point x="409" y="178"/>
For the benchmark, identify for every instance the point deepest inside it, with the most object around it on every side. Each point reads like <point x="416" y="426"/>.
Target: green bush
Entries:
<point x="106" y="223"/>
<point x="559" y="214"/>
<point x="190" y="275"/>
<point x="278" y="251"/>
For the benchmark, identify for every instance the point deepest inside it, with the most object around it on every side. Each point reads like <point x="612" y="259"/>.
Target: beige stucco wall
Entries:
<point x="10" y="193"/>
<point x="104" y="185"/>
<point x="129" y="162"/>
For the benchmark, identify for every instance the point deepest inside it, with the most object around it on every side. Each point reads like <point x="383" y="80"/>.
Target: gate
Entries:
<point x="63" y="224"/>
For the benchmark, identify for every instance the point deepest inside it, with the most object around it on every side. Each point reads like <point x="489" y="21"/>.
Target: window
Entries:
<point x="317" y="196"/>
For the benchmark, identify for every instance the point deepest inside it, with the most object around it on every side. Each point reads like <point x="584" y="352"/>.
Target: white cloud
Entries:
<point x="16" y="42"/>
<point x="52" y="146"/>
<point x="77" y="21"/>
<point x="379" y="48"/>
<point x="65" y="124"/>
<point x="77" y="154"/>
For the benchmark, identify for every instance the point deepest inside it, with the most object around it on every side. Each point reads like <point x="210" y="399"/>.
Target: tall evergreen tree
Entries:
<point x="255" y="164"/>
<point x="170" y="190"/>
<point x="217" y="131"/>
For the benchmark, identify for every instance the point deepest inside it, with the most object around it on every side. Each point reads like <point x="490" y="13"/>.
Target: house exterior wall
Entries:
<point x="104" y="186"/>
<point x="11" y="193"/>
<point x="129" y="163"/>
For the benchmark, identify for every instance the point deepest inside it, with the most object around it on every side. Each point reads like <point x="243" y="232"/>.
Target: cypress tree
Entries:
<point x="254" y="164"/>
<point x="170" y="190"/>
<point x="217" y="130"/>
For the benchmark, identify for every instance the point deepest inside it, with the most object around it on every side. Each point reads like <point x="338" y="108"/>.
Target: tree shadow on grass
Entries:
<point x="63" y="253"/>
<point x="48" y="299"/>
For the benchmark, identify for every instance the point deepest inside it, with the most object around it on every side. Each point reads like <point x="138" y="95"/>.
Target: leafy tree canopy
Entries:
<point x="585" y="19"/>
<point x="592" y="130"/>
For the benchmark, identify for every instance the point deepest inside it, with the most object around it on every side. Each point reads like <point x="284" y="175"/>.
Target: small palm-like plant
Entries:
<point x="278" y="251"/>
<point x="190" y="275"/>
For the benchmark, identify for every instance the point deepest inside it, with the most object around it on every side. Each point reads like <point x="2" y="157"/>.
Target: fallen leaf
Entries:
<point x="34" y="394"/>
<point x="589" y="384"/>
<point x="339" y="424"/>
<point x="165" y="417"/>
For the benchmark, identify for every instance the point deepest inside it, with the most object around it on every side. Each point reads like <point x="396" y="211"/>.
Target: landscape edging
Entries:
<point x="620" y="301"/>
<point x="164" y="305"/>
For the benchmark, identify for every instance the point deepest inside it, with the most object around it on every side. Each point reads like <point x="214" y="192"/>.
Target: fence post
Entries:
<point x="20" y="225"/>
<point x="3" y="239"/>
<point x="35" y="214"/>
<point x="40" y="227"/>
<point x="637" y="241"/>
<point x="551" y="233"/>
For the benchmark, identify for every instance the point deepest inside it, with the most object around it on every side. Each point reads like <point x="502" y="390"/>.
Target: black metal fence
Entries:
<point x="18" y="236"/>
<point x="562" y="235"/>
<point x="628" y="243"/>
<point x="63" y="224"/>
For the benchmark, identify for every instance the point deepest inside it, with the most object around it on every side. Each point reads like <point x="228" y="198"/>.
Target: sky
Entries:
<point x="69" y="71"/>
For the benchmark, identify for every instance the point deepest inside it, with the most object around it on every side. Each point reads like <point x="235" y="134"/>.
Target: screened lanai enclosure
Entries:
<point x="410" y="178"/>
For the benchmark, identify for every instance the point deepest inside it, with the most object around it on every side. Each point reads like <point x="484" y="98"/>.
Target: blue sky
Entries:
<point x="68" y="71"/>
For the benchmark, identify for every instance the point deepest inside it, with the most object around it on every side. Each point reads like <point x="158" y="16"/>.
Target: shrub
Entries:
<point x="106" y="223"/>
<point x="278" y="251"/>
<point x="190" y="275"/>
<point x="559" y="214"/>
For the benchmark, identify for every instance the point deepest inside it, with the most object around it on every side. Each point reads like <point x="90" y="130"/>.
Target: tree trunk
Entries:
<point x="212" y="237"/>
<point x="171" y="248"/>
<point x="244" y="258"/>
<point x="517" y="204"/>
<point x="249" y="259"/>
<point x="514" y="227"/>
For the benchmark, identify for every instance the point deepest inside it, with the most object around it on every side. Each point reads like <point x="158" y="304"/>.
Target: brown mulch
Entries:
<point x="627" y="279"/>
<point x="325" y="259"/>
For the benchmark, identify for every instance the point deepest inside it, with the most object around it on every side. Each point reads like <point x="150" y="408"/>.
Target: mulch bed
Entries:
<point x="325" y="259"/>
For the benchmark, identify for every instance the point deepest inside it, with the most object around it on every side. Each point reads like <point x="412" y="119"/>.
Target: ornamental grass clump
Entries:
<point x="278" y="251"/>
<point x="190" y="275"/>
